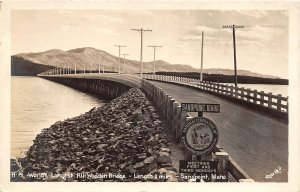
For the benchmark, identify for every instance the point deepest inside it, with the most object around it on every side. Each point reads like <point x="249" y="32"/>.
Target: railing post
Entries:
<point x="248" y="94"/>
<point x="236" y="92"/>
<point x="174" y="116"/>
<point x="270" y="100"/>
<point x="279" y="102"/>
<point x="161" y="101"/>
<point x="231" y="90"/>
<point x="183" y="117"/>
<point x="170" y="112"/>
<point x="188" y="156"/>
<point x="168" y="98"/>
<point x="255" y="96"/>
<point x="222" y="158"/>
<point x="165" y="99"/>
<point x="242" y="93"/>
<point x="262" y="98"/>
<point x="178" y="123"/>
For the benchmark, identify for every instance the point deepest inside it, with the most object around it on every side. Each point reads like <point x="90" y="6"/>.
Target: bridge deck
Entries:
<point x="256" y="141"/>
<point x="131" y="80"/>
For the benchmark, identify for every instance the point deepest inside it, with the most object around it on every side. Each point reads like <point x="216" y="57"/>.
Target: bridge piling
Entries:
<point x="107" y="89"/>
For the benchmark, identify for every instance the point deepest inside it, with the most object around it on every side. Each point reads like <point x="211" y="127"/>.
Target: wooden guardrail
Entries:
<point x="175" y="119"/>
<point x="268" y="100"/>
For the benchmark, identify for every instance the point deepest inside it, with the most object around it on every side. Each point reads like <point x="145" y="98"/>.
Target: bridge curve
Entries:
<point x="257" y="141"/>
<point x="130" y="80"/>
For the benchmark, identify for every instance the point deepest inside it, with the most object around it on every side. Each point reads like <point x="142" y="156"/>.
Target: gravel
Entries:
<point x="121" y="141"/>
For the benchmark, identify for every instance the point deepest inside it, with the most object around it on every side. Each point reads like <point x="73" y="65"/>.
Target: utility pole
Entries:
<point x="141" y="30"/>
<point x="234" y="27"/>
<point x="83" y="66"/>
<point x="103" y="67"/>
<point x="154" y="60"/>
<point x="201" y="69"/>
<point x="75" y="67"/>
<point x="99" y="67"/>
<point x="120" y="56"/>
<point x="124" y="62"/>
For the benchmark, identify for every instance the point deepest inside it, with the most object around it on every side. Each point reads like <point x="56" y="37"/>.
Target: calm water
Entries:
<point x="38" y="103"/>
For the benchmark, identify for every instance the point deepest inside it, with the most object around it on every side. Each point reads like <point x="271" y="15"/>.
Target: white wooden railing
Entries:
<point x="268" y="100"/>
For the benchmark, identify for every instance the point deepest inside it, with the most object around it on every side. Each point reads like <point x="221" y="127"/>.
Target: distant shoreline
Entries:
<point x="220" y="78"/>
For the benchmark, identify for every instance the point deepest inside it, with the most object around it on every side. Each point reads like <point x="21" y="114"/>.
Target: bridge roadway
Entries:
<point x="256" y="141"/>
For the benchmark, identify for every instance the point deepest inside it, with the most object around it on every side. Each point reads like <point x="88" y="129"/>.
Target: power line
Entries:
<point x="267" y="26"/>
<point x="120" y="55"/>
<point x="154" y="60"/>
<point x="234" y="27"/>
<point x="141" y="57"/>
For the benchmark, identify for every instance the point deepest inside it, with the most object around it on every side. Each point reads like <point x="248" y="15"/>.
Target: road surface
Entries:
<point x="256" y="141"/>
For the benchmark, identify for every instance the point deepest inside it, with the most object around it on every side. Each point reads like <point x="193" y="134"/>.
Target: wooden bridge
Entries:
<point x="253" y="125"/>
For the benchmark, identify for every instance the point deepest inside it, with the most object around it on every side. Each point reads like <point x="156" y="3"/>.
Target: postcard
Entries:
<point x="149" y="96"/>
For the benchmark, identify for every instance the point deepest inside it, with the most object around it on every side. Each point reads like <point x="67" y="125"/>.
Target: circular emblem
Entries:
<point x="199" y="135"/>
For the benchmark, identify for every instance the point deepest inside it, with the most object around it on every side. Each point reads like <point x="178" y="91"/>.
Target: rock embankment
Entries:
<point x="121" y="141"/>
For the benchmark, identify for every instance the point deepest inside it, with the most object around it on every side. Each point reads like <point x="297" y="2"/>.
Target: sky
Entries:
<point x="262" y="45"/>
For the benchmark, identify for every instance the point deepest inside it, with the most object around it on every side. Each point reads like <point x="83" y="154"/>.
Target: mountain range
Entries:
<point x="34" y="63"/>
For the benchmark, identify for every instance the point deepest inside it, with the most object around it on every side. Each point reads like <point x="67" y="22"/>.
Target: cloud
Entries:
<point x="195" y="38"/>
<point x="107" y="31"/>
<point x="256" y="14"/>
<point x="66" y="27"/>
<point x="196" y="33"/>
<point x="207" y="30"/>
<point x="260" y="33"/>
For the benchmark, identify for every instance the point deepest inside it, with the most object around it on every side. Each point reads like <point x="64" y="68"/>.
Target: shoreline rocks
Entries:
<point x="123" y="140"/>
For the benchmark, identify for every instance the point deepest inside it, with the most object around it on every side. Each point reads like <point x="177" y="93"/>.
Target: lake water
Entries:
<point x="37" y="103"/>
